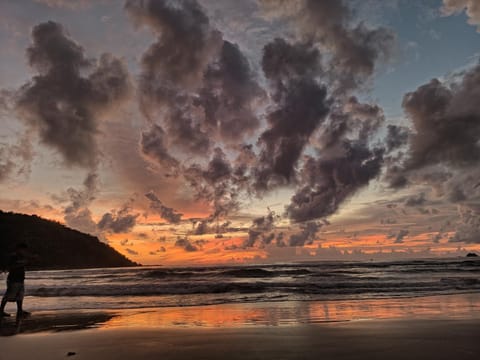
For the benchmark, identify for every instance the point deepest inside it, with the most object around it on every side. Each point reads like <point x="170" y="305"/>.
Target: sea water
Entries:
<point x="150" y="287"/>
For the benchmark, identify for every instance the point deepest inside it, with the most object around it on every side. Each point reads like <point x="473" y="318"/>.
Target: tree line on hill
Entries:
<point x="54" y="245"/>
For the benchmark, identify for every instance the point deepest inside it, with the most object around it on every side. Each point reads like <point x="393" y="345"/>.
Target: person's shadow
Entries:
<point x="9" y="326"/>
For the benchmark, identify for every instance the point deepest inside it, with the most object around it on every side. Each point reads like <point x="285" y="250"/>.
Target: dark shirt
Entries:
<point x="16" y="271"/>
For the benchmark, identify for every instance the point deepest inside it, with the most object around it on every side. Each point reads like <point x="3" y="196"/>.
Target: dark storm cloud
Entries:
<point x="397" y="136"/>
<point x="168" y="214"/>
<point x="118" y="221"/>
<point x="355" y="49"/>
<point x="307" y="234"/>
<point x="349" y="120"/>
<point x="77" y="213"/>
<point x="445" y="119"/>
<point x="218" y="168"/>
<point x="62" y="104"/>
<point x="209" y="226"/>
<point x="328" y="182"/>
<point x="345" y="162"/>
<point x="302" y="106"/>
<point x="400" y="235"/>
<point x="468" y="225"/>
<point x="187" y="133"/>
<point x="198" y="84"/>
<point x="282" y="60"/>
<point x="443" y="149"/>
<point x="185" y="39"/>
<point x="197" y="88"/>
<point x="186" y="245"/>
<point x="261" y="230"/>
<point x="416" y="200"/>
<point x="173" y="67"/>
<point x="131" y="252"/>
<point x="215" y="183"/>
<point x="154" y="145"/>
<point x="15" y="159"/>
<point x="456" y="194"/>
<point x="230" y="94"/>
<point x="294" y="69"/>
<point x="6" y="164"/>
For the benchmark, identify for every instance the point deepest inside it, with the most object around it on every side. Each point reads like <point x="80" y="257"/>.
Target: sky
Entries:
<point x="198" y="132"/>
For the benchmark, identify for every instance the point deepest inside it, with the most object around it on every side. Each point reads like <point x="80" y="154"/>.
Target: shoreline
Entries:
<point x="452" y="307"/>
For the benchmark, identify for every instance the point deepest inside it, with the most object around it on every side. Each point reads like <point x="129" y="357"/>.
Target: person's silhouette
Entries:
<point x="15" y="281"/>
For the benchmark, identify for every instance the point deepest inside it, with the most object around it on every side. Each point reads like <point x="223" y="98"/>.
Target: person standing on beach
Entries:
<point x="15" y="281"/>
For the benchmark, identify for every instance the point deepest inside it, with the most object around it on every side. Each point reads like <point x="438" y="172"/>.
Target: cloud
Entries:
<point x="416" y="200"/>
<point x="397" y="136"/>
<point x="121" y="221"/>
<point x="207" y="226"/>
<point x="169" y="214"/>
<point x="15" y="159"/>
<point x="6" y="163"/>
<point x="444" y="119"/>
<point x="216" y="184"/>
<point x="301" y="110"/>
<point x="154" y="146"/>
<point x="283" y="60"/>
<point x="345" y="162"/>
<point x="186" y="245"/>
<point x="301" y="106"/>
<point x="194" y="84"/>
<point x="203" y="98"/>
<point x="443" y="149"/>
<point x="471" y="8"/>
<point x="355" y="49"/>
<point x="77" y="214"/>
<point x="61" y="104"/>
<point x="259" y="229"/>
<point x="400" y="235"/>
<point x="185" y="39"/>
<point x="69" y="4"/>
<point x="327" y="182"/>
<point x="231" y="94"/>
<point x="468" y="224"/>
<point x="307" y="234"/>
<point x="174" y="65"/>
<point x="131" y="252"/>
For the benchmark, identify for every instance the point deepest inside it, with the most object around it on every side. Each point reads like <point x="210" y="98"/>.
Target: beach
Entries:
<point x="439" y="327"/>
<point x="427" y="309"/>
<point x="368" y="339"/>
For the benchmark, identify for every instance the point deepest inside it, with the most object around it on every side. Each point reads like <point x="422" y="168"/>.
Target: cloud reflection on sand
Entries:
<point x="464" y="306"/>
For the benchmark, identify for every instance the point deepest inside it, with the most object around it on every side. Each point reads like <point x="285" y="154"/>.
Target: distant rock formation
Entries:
<point x="57" y="246"/>
<point x="471" y="254"/>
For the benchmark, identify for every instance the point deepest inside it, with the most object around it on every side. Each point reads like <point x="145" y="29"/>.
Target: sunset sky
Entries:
<point x="205" y="132"/>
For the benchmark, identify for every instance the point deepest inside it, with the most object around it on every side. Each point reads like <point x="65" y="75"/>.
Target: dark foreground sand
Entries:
<point x="372" y="339"/>
<point x="446" y="327"/>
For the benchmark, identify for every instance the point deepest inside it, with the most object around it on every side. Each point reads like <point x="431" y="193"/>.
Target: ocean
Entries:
<point x="157" y="287"/>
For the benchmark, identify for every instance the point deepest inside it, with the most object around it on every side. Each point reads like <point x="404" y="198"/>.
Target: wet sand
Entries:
<point x="371" y="339"/>
<point x="415" y="329"/>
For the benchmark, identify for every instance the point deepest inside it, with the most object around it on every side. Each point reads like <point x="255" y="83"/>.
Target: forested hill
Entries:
<point x="55" y="245"/>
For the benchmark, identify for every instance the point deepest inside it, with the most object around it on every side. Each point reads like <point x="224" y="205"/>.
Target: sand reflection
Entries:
<point x="465" y="306"/>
